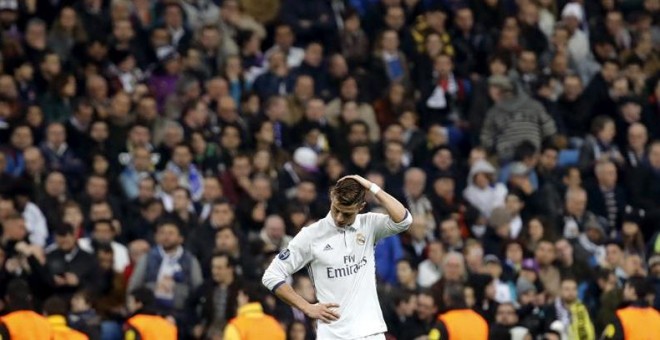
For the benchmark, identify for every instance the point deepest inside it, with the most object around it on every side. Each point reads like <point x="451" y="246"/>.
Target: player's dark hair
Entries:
<point x="348" y="192"/>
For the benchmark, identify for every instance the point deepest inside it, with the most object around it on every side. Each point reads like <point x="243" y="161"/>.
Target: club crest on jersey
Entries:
<point x="284" y="254"/>
<point x="360" y="239"/>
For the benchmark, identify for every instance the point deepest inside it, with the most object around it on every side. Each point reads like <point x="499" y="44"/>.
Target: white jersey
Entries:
<point x="341" y="263"/>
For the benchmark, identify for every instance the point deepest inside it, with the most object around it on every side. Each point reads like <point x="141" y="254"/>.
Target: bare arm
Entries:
<point x="394" y="208"/>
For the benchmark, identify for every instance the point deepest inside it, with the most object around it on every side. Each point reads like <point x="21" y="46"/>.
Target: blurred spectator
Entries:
<point x="568" y="315"/>
<point x="576" y="216"/>
<point x="506" y="318"/>
<point x="22" y="319"/>
<point x="55" y="310"/>
<point x="607" y="199"/>
<point x="104" y="233"/>
<point x="600" y="145"/>
<point x="213" y="304"/>
<point x="504" y="127"/>
<point x="404" y="307"/>
<point x="70" y="268"/>
<point x="228" y="240"/>
<point x="549" y="275"/>
<point x="21" y="258"/>
<point x="425" y="315"/>
<point x="414" y="186"/>
<point x="58" y="155"/>
<point x="273" y="233"/>
<point x="415" y="240"/>
<point x="82" y="316"/>
<point x="406" y="273"/>
<point x="429" y="271"/>
<point x="482" y="190"/>
<point x="169" y="270"/>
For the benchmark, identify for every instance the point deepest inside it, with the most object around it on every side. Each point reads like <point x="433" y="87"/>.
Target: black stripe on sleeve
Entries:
<point x="277" y="286"/>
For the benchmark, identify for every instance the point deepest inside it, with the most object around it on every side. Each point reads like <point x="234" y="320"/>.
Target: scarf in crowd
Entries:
<point x="576" y="319"/>
<point x="581" y="328"/>
<point x="193" y="178"/>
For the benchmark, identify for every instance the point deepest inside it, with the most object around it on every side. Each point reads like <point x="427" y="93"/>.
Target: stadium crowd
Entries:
<point x="178" y="146"/>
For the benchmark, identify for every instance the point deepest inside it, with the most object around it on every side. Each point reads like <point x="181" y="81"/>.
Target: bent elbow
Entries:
<point x="271" y="279"/>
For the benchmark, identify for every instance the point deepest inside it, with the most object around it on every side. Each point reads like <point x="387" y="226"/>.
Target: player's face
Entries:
<point x="345" y="215"/>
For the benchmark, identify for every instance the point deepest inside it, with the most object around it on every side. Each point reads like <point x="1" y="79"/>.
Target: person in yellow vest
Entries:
<point x="22" y="323"/>
<point x="638" y="320"/>
<point x="54" y="309"/>
<point x="251" y="323"/>
<point x="460" y="322"/>
<point x="145" y="323"/>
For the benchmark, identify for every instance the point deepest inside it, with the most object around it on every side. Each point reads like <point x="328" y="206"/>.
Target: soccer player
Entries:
<point x="338" y="251"/>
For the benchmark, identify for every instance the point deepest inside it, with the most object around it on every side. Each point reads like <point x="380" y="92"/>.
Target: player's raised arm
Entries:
<point x="398" y="213"/>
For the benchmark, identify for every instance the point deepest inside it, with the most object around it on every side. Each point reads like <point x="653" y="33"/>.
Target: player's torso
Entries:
<point x="343" y="270"/>
<point x="342" y="257"/>
<point x="342" y="253"/>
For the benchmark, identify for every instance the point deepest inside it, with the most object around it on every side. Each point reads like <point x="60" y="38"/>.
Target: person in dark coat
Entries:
<point x="400" y="316"/>
<point x="649" y="189"/>
<point x="202" y="240"/>
<point x="206" y="315"/>
<point x="498" y="232"/>
<point x="425" y="316"/>
<point x="607" y="199"/>
<point x="58" y="155"/>
<point x="597" y="90"/>
<point x="69" y="267"/>
<point x="573" y="107"/>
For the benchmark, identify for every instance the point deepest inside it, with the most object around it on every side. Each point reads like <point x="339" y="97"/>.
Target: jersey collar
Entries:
<point x="332" y="224"/>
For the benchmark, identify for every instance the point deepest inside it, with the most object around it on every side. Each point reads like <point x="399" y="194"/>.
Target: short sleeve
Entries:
<point x="289" y="261"/>
<point x="383" y="226"/>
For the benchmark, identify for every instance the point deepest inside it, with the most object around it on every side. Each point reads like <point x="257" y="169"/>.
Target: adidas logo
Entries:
<point x="327" y="247"/>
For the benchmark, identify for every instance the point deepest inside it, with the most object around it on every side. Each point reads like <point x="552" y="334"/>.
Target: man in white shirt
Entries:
<point x="104" y="232"/>
<point x="284" y="40"/>
<point x="430" y="270"/>
<point x="338" y="251"/>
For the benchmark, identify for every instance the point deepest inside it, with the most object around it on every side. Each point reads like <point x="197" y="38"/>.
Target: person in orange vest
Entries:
<point x="251" y="323"/>
<point x="54" y="309"/>
<point x="460" y="322"/>
<point x="146" y="324"/>
<point x="638" y="320"/>
<point x="22" y="323"/>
